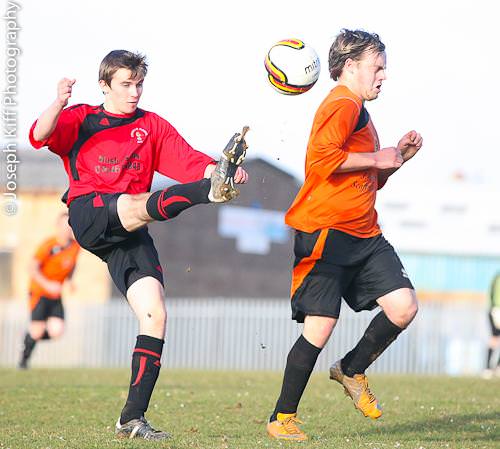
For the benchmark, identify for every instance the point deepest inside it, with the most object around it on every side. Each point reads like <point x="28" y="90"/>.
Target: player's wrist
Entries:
<point x="60" y="104"/>
<point x="376" y="162"/>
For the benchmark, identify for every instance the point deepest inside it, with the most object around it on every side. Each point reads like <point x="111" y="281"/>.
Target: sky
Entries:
<point x="207" y="77"/>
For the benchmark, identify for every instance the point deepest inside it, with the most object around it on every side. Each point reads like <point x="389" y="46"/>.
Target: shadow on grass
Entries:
<point x="481" y="427"/>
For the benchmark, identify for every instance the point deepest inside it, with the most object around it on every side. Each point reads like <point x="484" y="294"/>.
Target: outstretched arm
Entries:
<point x="48" y="119"/>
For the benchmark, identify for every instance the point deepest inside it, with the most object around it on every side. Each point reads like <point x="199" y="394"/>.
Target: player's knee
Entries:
<point x="317" y="330"/>
<point x="37" y="329"/>
<point x="410" y="312"/>
<point x="131" y="210"/>
<point x="400" y="307"/>
<point x="407" y="312"/>
<point x="325" y="330"/>
<point x="55" y="331"/>
<point x="37" y="334"/>
<point x="155" y="320"/>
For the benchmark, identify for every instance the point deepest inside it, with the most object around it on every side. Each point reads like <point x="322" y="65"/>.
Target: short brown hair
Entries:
<point x="122" y="59"/>
<point x="351" y="44"/>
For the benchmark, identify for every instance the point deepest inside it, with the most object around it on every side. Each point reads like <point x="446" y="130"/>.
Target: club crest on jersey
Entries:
<point x="139" y="134"/>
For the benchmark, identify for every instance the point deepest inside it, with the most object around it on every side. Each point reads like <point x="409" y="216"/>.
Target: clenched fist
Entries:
<point x="64" y="88"/>
<point x="409" y="145"/>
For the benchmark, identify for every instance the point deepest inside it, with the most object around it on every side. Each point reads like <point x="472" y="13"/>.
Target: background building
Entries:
<point x="228" y="276"/>
<point x="239" y="249"/>
<point x="242" y="249"/>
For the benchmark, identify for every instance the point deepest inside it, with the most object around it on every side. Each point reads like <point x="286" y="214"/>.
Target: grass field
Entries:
<point x="42" y="409"/>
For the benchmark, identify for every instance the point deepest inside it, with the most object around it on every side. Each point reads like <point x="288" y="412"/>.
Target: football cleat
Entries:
<point x="285" y="428"/>
<point x="357" y="389"/>
<point x="222" y="180"/>
<point x="139" y="428"/>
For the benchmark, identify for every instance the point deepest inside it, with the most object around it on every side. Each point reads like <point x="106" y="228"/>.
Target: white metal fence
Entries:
<point x="248" y="334"/>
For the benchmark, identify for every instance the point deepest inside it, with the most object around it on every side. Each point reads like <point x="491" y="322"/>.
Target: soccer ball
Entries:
<point x="292" y="67"/>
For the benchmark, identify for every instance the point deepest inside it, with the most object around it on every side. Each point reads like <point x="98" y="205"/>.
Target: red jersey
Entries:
<point x="110" y="153"/>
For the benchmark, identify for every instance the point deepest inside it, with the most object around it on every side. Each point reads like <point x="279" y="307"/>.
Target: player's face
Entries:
<point x="122" y="97"/>
<point x="369" y="75"/>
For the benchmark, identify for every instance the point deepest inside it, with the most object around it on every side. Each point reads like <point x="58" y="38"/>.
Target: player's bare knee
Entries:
<point x="325" y="330"/>
<point x="132" y="211"/>
<point x="317" y="330"/>
<point x="156" y="319"/>
<point x="409" y="313"/>
<point x="55" y="329"/>
<point x="55" y="333"/>
<point x="37" y="329"/>
<point x="404" y="314"/>
<point x="36" y="334"/>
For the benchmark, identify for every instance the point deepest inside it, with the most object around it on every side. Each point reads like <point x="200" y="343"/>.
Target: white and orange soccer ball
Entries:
<point x="292" y="66"/>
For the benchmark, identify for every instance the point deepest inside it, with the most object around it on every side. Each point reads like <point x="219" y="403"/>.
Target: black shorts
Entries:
<point x="129" y="255"/>
<point x="495" y="331"/>
<point x="44" y="308"/>
<point x="331" y="265"/>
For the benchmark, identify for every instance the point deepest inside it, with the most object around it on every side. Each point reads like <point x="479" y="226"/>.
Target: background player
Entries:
<point x="493" y="356"/>
<point x="52" y="265"/>
<point x="339" y="249"/>
<point x="110" y="153"/>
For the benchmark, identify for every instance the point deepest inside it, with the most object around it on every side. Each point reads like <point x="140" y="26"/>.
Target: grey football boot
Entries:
<point x="139" y="428"/>
<point x="222" y="187"/>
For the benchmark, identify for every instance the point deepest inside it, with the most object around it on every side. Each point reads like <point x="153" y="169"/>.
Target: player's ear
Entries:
<point x="104" y="87"/>
<point x="349" y="65"/>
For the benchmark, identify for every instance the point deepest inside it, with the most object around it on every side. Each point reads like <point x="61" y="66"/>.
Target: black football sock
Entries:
<point x="380" y="333"/>
<point x="299" y="365"/>
<point x="29" y="345"/>
<point x="145" y="370"/>
<point x="488" y="359"/>
<point x="166" y="204"/>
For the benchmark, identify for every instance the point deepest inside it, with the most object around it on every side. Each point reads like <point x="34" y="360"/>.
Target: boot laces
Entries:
<point x="290" y="424"/>
<point x="366" y="388"/>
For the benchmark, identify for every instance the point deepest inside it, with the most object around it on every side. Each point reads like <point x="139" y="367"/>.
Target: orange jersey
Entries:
<point x="56" y="263"/>
<point x="342" y="201"/>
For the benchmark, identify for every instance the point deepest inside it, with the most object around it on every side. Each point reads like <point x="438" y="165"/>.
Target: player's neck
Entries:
<point x="351" y="86"/>
<point x="112" y="110"/>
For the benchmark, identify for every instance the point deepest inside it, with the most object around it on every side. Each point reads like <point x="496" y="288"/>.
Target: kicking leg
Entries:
<point x="135" y="211"/>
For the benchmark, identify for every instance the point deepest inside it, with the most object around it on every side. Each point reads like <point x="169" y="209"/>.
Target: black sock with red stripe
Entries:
<point x="166" y="204"/>
<point x="145" y="370"/>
